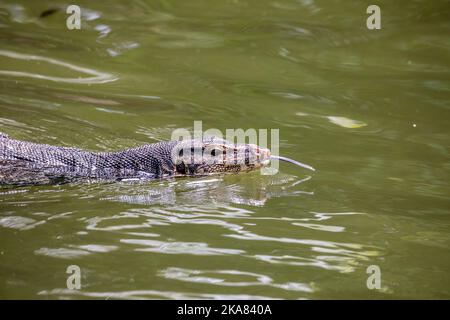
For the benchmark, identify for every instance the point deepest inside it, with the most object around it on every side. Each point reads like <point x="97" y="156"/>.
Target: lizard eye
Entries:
<point x="216" y="152"/>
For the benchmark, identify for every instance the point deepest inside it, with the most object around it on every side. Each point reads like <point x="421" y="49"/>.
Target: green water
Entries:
<point x="369" y="109"/>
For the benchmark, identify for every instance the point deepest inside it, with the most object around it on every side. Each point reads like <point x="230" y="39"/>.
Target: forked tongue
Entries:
<point x="293" y="161"/>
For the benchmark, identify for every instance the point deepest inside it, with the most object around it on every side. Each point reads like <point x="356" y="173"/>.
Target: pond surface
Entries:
<point x="369" y="109"/>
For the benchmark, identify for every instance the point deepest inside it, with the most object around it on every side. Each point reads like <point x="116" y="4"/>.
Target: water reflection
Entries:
<point x="256" y="191"/>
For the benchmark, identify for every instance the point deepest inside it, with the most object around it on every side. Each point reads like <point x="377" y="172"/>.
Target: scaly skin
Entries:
<point x="27" y="163"/>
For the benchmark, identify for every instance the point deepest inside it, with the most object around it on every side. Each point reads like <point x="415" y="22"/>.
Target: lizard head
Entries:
<point x="214" y="155"/>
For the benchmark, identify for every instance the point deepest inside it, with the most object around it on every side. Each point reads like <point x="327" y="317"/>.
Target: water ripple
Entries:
<point x="97" y="76"/>
<point x="177" y="247"/>
<point x="236" y="278"/>
<point x="151" y="294"/>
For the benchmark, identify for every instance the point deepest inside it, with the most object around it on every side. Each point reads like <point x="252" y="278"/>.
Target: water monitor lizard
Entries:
<point x="28" y="163"/>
